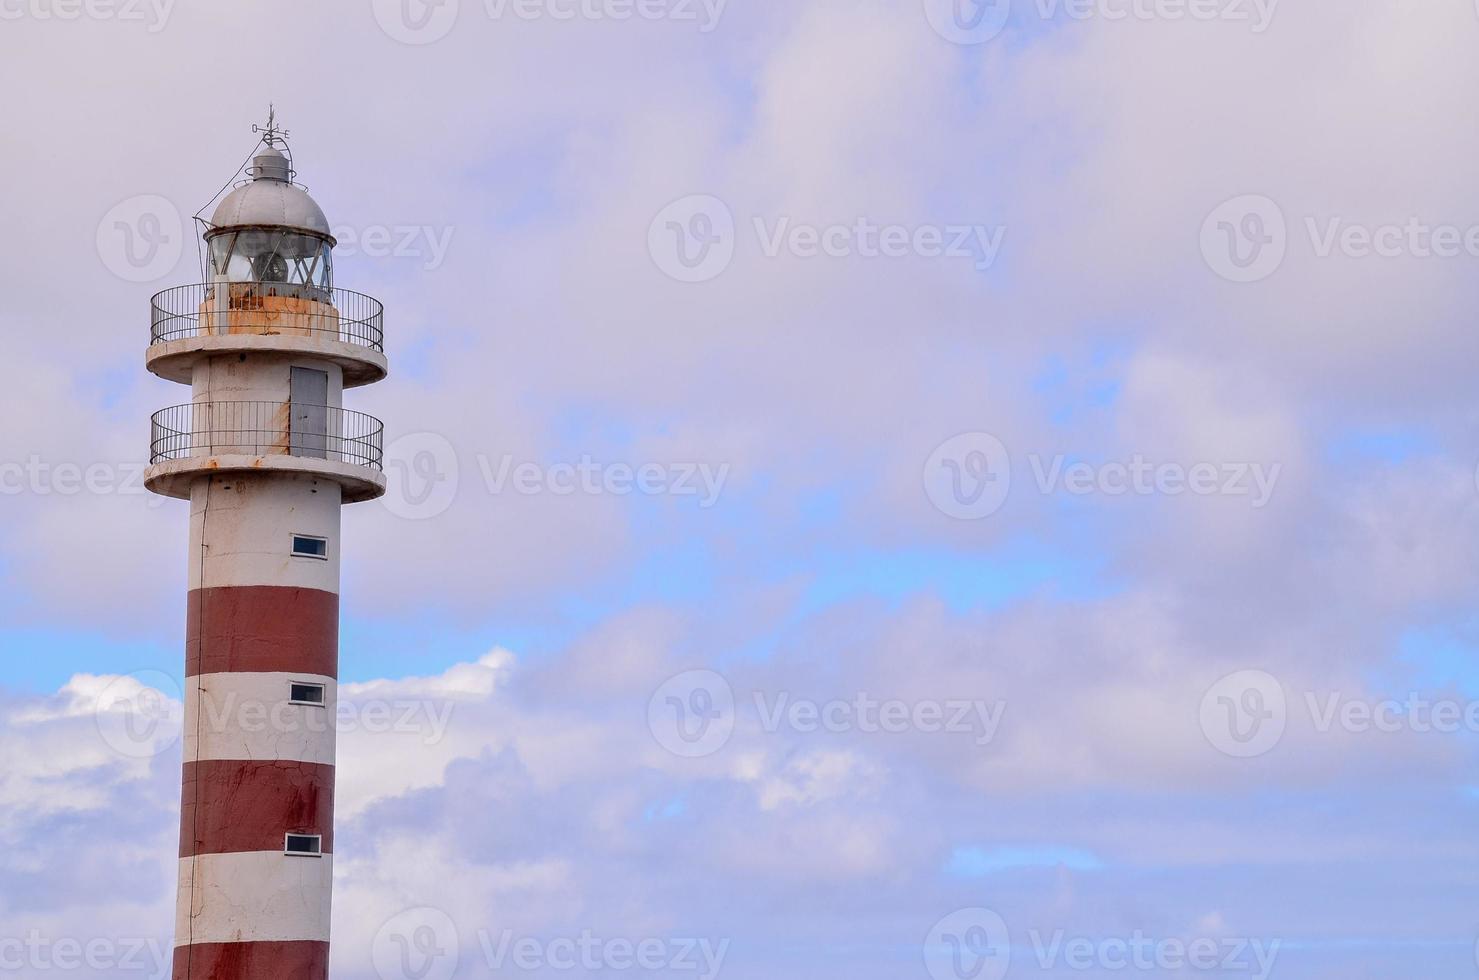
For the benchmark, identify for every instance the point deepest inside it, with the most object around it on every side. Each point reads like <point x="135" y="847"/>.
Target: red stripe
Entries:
<point x="252" y="961"/>
<point x="262" y="628"/>
<point x="231" y="807"/>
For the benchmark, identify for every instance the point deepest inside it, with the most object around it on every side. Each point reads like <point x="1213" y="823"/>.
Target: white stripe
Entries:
<point x="248" y="531"/>
<point x="256" y="897"/>
<point x="249" y="717"/>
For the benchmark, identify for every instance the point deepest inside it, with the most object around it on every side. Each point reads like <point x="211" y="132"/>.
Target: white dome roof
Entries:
<point x="268" y="200"/>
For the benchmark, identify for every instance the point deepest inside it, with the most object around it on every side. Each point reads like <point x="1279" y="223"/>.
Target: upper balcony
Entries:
<point x="209" y="319"/>
<point x="219" y="437"/>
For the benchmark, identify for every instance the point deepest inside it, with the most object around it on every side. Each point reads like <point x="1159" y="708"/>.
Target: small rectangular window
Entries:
<point x="305" y="546"/>
<point x="304" y="845"/>
<point x="307" y="694"/>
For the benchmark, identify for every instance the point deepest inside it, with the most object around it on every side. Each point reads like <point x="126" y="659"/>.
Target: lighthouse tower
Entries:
<point x="266" y="454"/>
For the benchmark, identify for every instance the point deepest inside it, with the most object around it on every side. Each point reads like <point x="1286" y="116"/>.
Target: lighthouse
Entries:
<point x="266" y="454"/>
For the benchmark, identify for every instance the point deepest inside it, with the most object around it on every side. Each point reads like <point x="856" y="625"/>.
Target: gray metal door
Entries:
<point x="310" y="412"/>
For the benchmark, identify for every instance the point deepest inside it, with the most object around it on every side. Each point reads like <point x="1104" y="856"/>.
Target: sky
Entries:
<point x="878" y="489"/>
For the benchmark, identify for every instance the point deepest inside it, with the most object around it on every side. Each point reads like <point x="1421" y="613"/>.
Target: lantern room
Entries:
<point x="269" y="230"/>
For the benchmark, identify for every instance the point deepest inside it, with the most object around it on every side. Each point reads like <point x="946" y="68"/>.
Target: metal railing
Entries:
<point x="220" y="309"/>
<point x="267" y="429"/>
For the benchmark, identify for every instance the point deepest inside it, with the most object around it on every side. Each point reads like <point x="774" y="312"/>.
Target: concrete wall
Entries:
<point x="252" y="520"/>
<point x="262" y="377"/>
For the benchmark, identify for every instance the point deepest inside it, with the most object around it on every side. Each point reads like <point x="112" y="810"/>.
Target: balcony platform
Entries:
<point x="175" y="360"/>
<point x="220" y="437"/>
<point x="175" y="477"/>
<point x="190" y="323"/>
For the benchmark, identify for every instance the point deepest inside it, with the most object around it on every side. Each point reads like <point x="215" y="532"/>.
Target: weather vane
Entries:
<point x="271" y="135"/>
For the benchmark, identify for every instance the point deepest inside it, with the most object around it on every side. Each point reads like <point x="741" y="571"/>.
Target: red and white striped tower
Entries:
<point x="266" y="454"/>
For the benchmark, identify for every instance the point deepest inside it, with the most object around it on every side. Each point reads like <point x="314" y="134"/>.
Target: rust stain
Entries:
<point x="249" y="311"/>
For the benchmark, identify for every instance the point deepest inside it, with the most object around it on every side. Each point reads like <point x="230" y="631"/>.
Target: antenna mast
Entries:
<point x="271" y="135"/>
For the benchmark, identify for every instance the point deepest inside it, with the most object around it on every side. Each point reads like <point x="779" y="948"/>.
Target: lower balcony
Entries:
<point x="190" y="441"/>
